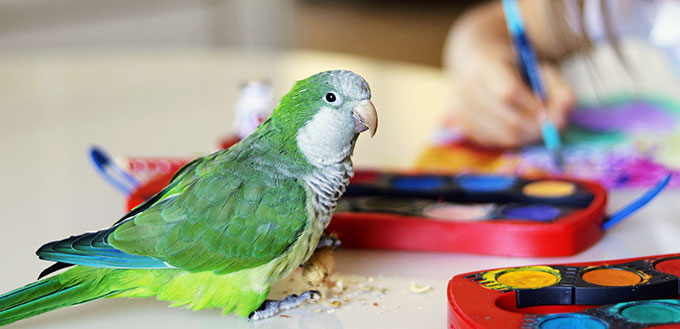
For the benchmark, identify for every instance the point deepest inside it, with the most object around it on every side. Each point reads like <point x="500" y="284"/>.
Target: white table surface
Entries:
<point x="53" y="107"/>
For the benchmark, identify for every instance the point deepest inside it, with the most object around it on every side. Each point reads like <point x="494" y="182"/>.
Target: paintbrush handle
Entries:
<point x="528" y="61"/>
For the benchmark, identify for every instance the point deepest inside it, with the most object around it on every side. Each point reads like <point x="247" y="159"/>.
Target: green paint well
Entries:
<point x="652" y="313"/>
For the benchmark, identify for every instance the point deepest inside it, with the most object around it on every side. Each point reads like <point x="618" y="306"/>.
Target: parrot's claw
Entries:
<point x="330" y="240"/>
<point x="270" y="307"/>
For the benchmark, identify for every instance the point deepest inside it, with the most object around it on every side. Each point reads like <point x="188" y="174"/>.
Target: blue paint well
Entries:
<point x="486" y="183"/>
<point x="572" y="321"/>
<point x="420" y="183"/>
<point x="539" y="213"/>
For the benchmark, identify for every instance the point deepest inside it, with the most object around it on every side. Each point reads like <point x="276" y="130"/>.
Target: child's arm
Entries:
<point x="490" y="100"/>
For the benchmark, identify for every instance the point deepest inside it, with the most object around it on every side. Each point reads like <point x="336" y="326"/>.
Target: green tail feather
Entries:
<point x="69" y="288"/>
<point x="81" y="284"/>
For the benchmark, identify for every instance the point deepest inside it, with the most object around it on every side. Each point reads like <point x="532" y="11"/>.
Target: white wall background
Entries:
<point x="48" y="24"/>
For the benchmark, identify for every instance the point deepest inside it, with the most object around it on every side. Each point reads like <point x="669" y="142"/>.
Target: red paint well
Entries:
<point x="670" y="266"/>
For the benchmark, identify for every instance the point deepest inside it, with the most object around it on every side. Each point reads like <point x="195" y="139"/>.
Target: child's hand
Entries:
<point x="496" y="108"/>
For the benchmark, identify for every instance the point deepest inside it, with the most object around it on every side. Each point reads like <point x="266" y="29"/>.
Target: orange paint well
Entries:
<point x="613" y="277"/>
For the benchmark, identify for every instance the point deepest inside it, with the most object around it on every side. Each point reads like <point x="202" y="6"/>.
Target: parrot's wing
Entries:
<point x="187" y="169"/>
<point x="224" y="221"/>
<point x="221" y="222"/>
<point x="92" y="249"/>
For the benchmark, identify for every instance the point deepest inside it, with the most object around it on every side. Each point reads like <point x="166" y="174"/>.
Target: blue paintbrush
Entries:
<point x="117" y="176"/>
<point x="634" y="206"/>
<point x="529" y="67"/>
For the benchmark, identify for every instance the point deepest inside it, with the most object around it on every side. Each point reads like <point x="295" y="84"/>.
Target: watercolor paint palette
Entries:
<point x="627" y="293"/>
<point x="482" y="214"/>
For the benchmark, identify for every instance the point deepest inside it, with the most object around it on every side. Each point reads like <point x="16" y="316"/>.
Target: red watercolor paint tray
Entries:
<point x="519" y="225"/>
<point x="517" y="235"/>
<point x="626" y="293"/>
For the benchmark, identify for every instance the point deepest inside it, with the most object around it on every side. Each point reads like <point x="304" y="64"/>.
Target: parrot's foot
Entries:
<point x="270" y="307"/>
<point x="330" y="240"/>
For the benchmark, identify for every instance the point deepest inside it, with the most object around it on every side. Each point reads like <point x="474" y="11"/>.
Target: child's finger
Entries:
<point x="507" y="85"/>
<point x="520" y="125"/>
<point x="495" y="123"/>
<point x="490" y="133"/>
<point x="473" y="116"/>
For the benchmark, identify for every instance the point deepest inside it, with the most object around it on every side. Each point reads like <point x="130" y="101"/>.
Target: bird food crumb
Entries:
<point x="319" y="267"/>
<point x="419" y="289"/>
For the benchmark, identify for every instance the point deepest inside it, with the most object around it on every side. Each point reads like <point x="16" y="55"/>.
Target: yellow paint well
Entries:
<point x="529" y="277"/>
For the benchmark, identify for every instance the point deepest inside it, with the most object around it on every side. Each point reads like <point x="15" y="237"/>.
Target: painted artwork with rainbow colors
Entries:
<point x="625" y="143"/>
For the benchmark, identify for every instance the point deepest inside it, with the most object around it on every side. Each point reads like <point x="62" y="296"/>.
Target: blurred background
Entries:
<point x="412" y="31"/>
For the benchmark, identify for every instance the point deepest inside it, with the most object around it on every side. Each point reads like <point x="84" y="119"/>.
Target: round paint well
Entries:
<point x="572" y="321"/>
<point x="549" y="189"/>
<point x="365" y="176"/>
<point x="418" y="182"/>
<point x="343" y="206"/>
<point x="527" y="278"/>
<point x="651" y="312"/>
<point x="486" y="183"/>
<point x="612" y="277"/>
<point x="669" y="266"/>
<point x="392" y="205"/>
<point x="539" y="213"/>
<point x="459" y="212"/>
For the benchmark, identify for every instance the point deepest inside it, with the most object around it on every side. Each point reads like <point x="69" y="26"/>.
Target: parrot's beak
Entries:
<point x="365" y="117"/>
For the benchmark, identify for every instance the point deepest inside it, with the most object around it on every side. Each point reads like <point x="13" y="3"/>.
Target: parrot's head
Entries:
<point x="327" y="112"/>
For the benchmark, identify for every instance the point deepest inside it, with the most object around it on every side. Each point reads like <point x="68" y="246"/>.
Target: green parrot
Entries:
<point x="228" y="225"/>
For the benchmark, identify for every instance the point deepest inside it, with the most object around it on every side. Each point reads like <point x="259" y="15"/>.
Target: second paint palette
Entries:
<point x="628" y="293"/>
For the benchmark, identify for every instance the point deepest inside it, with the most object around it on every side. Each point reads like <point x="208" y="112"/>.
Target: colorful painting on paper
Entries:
<point x="625" y="143"/>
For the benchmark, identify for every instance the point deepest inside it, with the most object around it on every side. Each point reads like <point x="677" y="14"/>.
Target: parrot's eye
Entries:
<point x="330" y="97"/>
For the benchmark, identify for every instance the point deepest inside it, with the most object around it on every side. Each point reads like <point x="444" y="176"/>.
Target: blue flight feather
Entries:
<point x="91" y="249"/>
